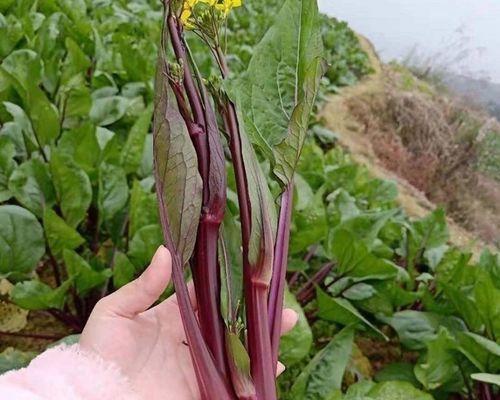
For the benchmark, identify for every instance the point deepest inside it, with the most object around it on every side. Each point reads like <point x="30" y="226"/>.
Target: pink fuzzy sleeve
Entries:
<point x="66" y="373"/>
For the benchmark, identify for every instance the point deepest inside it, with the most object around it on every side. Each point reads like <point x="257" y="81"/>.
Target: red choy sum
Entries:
<point x="204" y="127"/>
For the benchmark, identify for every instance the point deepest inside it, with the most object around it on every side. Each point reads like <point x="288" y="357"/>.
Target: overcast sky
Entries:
<point x="467" y="30"/>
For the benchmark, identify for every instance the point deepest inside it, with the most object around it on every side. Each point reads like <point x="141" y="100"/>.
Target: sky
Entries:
<point x="463" y="35"/>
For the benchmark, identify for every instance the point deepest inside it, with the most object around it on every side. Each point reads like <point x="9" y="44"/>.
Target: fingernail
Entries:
<point x="280" y="369"/>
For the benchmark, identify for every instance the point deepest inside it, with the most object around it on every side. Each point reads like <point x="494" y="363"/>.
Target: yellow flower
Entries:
<point x="228" y="5"/>
<point x="225" y="6"/>
<point x="187" y="12"/>
<point x="185" y="15"/>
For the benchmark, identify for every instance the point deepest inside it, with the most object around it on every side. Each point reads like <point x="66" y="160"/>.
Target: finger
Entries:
<point x="280" y="369"/>
<point x="138" y="295"/>
<point x="167" y="305"/>
<point x="289" y="319"/>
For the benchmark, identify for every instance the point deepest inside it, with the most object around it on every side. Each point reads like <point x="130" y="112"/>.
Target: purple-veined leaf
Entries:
<point x="177" y="179"/>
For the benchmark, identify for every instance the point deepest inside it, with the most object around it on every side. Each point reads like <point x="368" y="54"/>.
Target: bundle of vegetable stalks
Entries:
<point x="204" y="128"/>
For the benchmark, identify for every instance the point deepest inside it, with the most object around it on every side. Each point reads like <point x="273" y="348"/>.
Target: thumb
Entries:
<point x="140" y="294"/>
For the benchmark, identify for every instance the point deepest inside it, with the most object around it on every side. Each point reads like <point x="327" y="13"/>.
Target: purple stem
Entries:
<point x="180" y="53"/>
<point x="310" y="254"/>
<point x="306" y="292"/>
<point x="275" y="306"/>
<point x="256" y="291"/>
<point x="206" y="271"/>
<point x="210" y="382"/>
<point x="485" y="392"/>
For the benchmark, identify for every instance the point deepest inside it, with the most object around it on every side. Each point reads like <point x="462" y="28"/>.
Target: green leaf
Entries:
<point x="20" y="130"/>
<point x="43" y="115"/>
<point x="178" y="182"/>
<point x="487" y="378"/>
<point x="143" y="208"/>
<point x="73" y="188"/>
<point x="144" y="244"/>
<point x="440" y="367"/>
<point x="491" y="263"/>
<point x="359" y="391"/>
<point x="341" y="311"/>
<point x="113" y="191"/>
<point x="277" y="92"/>
<point x="78" y="101"/>
<point x="465" y="307"/>
<point x="379" y="191"/>
<point x="360" y="291"/>
<point x="397" y="391"/>
<point x="231" y="262"/>
<point x="309" y="224"/>
<point x="7" y="165"/>
<point x="132" y="151"/>
<point x="123" y="270"/>
<point x="239" y="364"/>
<point x="11" y="32"/>
<point x="480" y="351"/>
<point x="295" y="345"/>
<point x="85" y="278"/>
<point x="35" y="295"/>
<point x="77" y="62"/>
<point x="397" y="372"/>
<point x="426" y="236"/>
<point x="107" y="110"/>
<point x="263" y="213"/>
<point x="488" y="304"/>
<point x="12" y="359"/>
<point x="59" y="234"/>
<point x="26" y="67"/>
<point x="21" y="242"/>
<point x="31" y="185"/>
<point x="322" y="377"/>
<point x="354" y="259"/>
<point x="366" y="226"/>
<point x="83" y="145"/>
<point x="416" y="328"/>
<point x="146" y="166"/>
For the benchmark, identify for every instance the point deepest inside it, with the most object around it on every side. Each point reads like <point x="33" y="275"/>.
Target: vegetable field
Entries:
<point x="388" y="308"/>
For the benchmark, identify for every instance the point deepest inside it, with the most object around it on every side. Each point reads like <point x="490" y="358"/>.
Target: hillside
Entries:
<point x="405" y="130"/>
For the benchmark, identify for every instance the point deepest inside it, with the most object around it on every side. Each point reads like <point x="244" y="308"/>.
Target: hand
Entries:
<point x="148" y="344"/>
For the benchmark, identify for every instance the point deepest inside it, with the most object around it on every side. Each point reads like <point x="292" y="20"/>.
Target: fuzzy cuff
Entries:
<point x="66" y="373"/>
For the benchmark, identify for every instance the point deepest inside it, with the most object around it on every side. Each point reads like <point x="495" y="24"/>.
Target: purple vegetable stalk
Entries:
<point x="232" y="360"/>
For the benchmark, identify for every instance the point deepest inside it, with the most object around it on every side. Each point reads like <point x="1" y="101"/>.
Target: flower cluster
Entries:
<point x="223" y="6"/>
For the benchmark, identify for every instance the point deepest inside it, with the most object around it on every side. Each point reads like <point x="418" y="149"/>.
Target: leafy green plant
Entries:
<point x="376" y="269"/>
<point x="76" y="163"/>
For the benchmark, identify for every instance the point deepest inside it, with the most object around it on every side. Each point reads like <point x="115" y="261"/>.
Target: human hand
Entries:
<point x="149" y="344"/>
